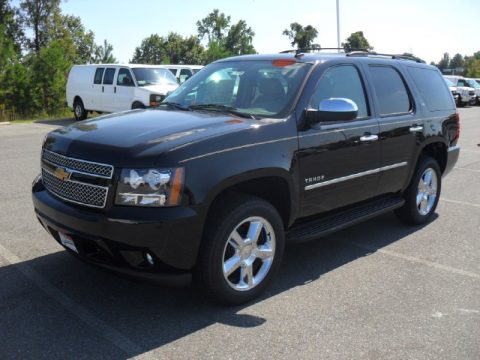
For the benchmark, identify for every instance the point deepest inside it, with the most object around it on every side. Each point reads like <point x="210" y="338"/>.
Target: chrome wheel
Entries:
<point x="427" y="191"/>
<point x="248" y="253"/>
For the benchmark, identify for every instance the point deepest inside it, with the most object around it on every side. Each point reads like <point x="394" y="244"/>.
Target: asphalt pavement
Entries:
<point x="379" y="290"/>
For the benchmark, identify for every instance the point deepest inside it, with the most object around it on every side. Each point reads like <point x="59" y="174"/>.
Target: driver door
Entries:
<point x="339" y="160"/>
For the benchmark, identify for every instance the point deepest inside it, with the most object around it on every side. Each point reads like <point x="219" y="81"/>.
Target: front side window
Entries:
<point x="109" y="75"/>
<point x="341" y="82"/>
<point x="185" y="74"/>
<point x="154" y="76"/>
<point x="462" y="83"/>
<point x="260" y="88"/>
<point x="124" y="77"/>
<point x="98" y="75"/>
<point x="390" y="90"/>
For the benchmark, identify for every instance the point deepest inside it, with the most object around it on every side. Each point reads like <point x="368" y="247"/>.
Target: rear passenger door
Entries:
<point x="339" y="160"/>
<point x="399" y="125"/>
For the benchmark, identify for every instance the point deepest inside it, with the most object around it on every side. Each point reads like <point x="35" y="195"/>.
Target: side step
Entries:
<point x="343" y="219"/>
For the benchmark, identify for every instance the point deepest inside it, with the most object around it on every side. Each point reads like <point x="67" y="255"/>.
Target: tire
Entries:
<point x="421" y="196"/>
<point x="232" y="267"/>
<point x="459" y="101"/>
<point x="137" y="105"/>
<point x="79" y="110"/>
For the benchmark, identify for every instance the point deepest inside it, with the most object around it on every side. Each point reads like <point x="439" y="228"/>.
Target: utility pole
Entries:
<point x="338" y="25"/>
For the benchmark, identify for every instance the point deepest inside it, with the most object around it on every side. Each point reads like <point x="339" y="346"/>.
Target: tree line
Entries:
<point x="468" y="65"/>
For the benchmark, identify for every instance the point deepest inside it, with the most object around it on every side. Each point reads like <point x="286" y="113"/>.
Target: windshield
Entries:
<point x="154" y="76"/>
<point x="449" y="83"/>
<point x="473" y="84"/>
<point x="252" y="88"/>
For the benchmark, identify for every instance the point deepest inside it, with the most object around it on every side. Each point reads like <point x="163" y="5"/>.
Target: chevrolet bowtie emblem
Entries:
<point x="62" y="174"/>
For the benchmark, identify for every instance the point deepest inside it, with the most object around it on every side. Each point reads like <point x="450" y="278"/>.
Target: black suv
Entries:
<point x="251" y="152"/>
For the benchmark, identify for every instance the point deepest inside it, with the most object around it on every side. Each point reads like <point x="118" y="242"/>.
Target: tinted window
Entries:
<point x="390" y="90"/>
<point x="173" y="71"/>
<point x="108" y="78"/>
<point x="124" y="77"/>
<point x="98" y="76"/>
<point x="462" y="83"/>
<point x="341" y="82"/>
<point x="431" y="85"/>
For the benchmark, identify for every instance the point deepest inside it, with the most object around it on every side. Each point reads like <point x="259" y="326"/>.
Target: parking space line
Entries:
<point x="460" y="202"/>
<point x="84" y="315"/>
<point x="414" y="259"/>
<point x="470" y="151"/>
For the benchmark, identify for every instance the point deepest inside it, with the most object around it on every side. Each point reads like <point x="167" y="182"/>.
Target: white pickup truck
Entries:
<point x="466" y="94"/>
<point x="113" y="88"/>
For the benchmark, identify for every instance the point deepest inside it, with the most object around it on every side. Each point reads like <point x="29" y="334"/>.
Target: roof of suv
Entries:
<point x="324" y="56"/>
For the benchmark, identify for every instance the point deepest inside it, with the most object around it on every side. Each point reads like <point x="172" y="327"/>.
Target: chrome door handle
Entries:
<point x="369" y="138"/>
<point x="416" y="128"/>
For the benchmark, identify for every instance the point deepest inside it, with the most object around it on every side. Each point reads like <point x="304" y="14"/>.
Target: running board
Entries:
<point x="343" y="219"/>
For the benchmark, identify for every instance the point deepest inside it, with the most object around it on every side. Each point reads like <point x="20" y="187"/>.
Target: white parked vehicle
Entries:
<point x="113" y="88"/>
<point x="476" y="86"/>
<point x="183" y="72"/>
<point x="465" y="91"/>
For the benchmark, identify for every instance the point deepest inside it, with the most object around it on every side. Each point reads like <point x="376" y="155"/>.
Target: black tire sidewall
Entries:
<point x="210" y="265"/>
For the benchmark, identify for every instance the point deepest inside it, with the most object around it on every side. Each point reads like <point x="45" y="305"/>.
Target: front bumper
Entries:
<point x="452" y="156"/>
<point x="119" y="238"/>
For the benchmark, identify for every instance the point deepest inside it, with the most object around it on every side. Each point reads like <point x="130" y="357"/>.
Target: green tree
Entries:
<point x="180" y="50"/>
<point x="223" y="38"/>
<point x="214" y="26"/>
<point x="104" y="54"/>
<point x="39" y="16"/>
<point x="174" y="49"/>
<point x="11" y="23"/>
<point x="457" y="61"/>
<point x="301" y="36"/>
<point x="474" y="69"/>
<point x="239" y="39"/>
<point x="444" y="63"/>
<point x="356" y="41"/>
<point x="49" y="76"/>
<point x="17" y="93"/>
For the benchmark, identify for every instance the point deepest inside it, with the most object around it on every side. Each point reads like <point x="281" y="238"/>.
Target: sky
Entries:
<point x="427" y="28"/>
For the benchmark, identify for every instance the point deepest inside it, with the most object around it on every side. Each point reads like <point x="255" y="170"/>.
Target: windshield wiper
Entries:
<point x="222" y="108"/>
<point x="175" y="105"/>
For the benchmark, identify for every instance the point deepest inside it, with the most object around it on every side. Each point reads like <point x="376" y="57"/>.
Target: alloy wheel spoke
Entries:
<point x="249" y="274"/>
<point x="254" y="231"/>
<point x="419" y="198"/>
<point x="264" y="252"/>
<point x="231" y="265"/>
<point x="236" y="240"/>
<point x="428" y="177"/>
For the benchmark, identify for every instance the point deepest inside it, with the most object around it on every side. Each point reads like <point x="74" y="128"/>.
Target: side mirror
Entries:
<point x="333" y="109"/>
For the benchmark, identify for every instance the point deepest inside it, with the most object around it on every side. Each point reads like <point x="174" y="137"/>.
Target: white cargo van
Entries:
<point x="183" y="72"/>
<point x="112" y="88"/>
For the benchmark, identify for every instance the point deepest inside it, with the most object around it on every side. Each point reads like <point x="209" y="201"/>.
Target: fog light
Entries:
<point x="149" y="258"/>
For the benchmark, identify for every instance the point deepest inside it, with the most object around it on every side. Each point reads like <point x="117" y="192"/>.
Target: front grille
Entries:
<point x="74" y="186"/>
<point x="471" y="92"/>
<point x="76" y="192"/>
<point x="89" y="167"/>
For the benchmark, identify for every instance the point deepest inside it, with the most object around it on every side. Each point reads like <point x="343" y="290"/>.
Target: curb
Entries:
<point x="4" y="123"/>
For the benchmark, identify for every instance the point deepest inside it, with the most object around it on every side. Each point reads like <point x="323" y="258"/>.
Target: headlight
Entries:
<point x="155" y="100"/>
<point x="150" y="187"/>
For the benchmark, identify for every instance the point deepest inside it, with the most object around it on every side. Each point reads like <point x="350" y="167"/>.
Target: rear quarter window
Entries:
<point x="432" y="87"/>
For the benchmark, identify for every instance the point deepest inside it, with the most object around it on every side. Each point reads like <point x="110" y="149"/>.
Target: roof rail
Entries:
<point x="317" y="48"/>
<point x="404" y="56"/>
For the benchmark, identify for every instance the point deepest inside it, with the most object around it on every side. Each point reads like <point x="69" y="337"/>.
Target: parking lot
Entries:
<point x="378" y="290"/>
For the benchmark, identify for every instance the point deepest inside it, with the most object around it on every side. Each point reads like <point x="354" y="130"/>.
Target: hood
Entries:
<point x="139" y="135"/>
<point x="161" y="89"/>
